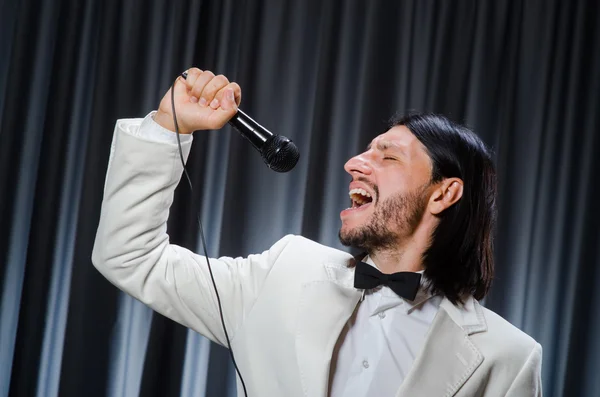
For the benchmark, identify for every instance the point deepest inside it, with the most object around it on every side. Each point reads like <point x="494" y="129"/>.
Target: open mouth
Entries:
<point x="359" y="198"/>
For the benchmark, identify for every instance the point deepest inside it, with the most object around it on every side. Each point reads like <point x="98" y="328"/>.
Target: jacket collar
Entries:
<point x="446" y="361"/>
<point x="468" y="315"/>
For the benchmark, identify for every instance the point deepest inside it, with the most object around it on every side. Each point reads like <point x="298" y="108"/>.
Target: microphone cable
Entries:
<point x="203" y="240"/>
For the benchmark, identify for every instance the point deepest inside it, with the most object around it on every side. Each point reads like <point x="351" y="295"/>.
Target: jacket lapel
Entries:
<point x="324" y="309"/>
<point x="448" y="357"/>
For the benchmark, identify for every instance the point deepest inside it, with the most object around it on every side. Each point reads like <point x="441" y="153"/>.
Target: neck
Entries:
<point x="392" y="261"/>
<point x="406" y="256"/>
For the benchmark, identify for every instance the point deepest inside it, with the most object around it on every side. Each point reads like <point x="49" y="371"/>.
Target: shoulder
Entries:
<point x="500" y="328"/>
<point x="497" y="338"/>
<point x="505" y="341"/>
<point x="302" y="260"/>
<point x="299" y="247"/>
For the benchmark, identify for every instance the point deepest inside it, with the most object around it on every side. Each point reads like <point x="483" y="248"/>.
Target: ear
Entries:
<point x="448" y="192"/>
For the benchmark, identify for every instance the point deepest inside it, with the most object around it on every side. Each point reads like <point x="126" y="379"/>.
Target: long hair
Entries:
<point x="459" y="260"/>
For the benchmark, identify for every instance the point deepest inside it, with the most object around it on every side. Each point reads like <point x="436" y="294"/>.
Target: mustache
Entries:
<point x="371" y="185"/>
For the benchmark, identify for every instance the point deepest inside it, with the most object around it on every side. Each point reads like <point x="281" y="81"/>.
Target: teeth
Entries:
<point x="362" y="192"/>
<point x="359" y="197"/>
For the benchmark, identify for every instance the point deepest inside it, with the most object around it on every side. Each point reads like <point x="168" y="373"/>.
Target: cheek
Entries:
<point x="390" y="188"/>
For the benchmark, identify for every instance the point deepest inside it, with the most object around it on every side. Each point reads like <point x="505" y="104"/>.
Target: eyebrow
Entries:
<point x="385" y="145"/>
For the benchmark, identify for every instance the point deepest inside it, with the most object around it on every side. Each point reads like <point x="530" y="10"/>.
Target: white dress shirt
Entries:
<point x="382" y="338"/>
<point x="380" y="342"/>
<point x="151" y="130"/>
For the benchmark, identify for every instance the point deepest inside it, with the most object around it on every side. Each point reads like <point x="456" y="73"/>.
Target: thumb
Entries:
<point x="228" y="104"/>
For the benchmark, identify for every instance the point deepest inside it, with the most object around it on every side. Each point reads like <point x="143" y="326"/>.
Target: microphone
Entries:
<point x="278" y="152"/>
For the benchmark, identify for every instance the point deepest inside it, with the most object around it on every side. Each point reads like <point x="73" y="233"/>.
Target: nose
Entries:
<point x="358" y="165"/>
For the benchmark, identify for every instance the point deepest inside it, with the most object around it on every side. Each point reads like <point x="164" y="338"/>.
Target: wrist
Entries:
<point x="165" y="120"/>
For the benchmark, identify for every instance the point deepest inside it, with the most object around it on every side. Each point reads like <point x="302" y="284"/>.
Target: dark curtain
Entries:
<point x="525" y="75"/>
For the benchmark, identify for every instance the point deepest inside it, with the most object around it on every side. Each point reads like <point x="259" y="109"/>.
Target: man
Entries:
<point x="309" y="320"/>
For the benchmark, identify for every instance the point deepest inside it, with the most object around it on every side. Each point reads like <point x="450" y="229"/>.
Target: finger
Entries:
<point x="181" y="90"/>
<point x="212" y="87"/>
<point x="192" y="76"/>
<point x="196" y="91"/>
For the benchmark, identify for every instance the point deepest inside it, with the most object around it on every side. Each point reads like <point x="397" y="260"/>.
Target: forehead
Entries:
<point x="398" y="138"/>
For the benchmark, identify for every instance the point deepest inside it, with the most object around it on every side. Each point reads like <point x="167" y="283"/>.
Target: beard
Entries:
<point x="394" y="218"/>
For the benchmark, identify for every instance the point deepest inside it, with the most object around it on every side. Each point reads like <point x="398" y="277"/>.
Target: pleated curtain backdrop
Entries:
<point x="525" y="75"/>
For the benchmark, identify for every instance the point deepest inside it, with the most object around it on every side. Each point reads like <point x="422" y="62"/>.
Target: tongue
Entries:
<point x="360" y="203"/>
<point x="360" y="200"/>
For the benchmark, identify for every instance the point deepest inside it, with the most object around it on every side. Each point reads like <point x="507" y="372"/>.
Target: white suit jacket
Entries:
<point x="286" y="307"/>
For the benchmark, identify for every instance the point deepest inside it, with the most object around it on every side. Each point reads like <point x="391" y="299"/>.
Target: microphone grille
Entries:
<point x="279" y="153"/>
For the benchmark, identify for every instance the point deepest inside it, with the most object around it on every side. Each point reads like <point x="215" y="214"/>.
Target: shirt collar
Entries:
<point x="389" y="299"/>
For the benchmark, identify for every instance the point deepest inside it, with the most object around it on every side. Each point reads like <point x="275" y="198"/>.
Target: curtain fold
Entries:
<point x="525" y="75"/>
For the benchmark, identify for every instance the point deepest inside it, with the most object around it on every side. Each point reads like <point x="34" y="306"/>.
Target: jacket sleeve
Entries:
<point x="529" y="379"/>
<point x="133" y="252"/>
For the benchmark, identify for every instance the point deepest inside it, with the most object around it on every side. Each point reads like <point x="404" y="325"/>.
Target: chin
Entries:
<point x="348" y="234"/>
<point x="349" y="227"/>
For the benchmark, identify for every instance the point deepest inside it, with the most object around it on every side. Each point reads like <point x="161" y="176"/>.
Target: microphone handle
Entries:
<point x="255" y="133"/>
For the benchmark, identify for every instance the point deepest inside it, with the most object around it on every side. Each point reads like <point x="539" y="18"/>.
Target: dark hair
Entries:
<point x="459" y="260"/>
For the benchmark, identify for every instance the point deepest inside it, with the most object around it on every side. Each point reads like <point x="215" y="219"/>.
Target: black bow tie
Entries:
<point x="405" y="284"/>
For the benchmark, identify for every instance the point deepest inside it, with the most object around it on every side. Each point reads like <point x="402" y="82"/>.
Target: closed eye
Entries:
<point x="390" y="158"/>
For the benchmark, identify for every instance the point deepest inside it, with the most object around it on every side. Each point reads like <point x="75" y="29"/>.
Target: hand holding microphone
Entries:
<point x="204" y="101"/>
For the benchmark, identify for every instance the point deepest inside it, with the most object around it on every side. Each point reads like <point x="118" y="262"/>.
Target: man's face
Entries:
<point x="388" y="192"/>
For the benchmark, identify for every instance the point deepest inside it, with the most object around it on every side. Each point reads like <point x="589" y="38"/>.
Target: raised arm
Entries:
<point x="132" y="248"/>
